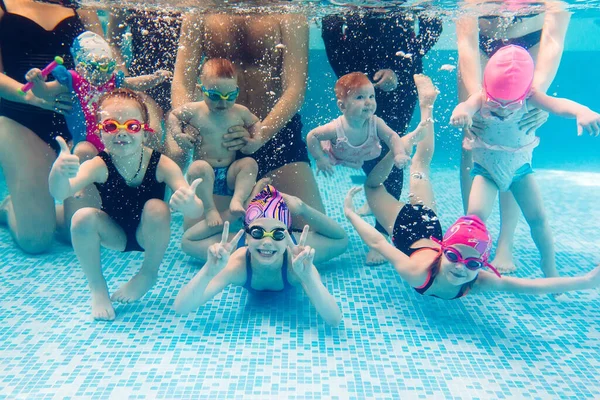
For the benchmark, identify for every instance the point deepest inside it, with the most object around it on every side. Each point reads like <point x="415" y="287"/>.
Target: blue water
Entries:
<point x="392" y="343"/>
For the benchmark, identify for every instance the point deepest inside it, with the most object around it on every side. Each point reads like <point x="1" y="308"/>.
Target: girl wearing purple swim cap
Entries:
<point x="273" y="257"/>
<point x="445" y="265"/>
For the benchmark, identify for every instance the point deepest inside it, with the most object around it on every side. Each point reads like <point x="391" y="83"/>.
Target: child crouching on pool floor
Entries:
<point x="131" y="181"/>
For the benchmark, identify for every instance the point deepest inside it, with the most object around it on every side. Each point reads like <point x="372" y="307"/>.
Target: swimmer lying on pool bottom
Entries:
<point x="269" y="261"/>
<point x="131" y="181"/>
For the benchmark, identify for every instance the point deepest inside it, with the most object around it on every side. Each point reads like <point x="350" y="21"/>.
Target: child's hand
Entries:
<point x="66" y="164"/>
<point x="185" y="141"/>
<point x="186" y="201"/>
<point x="35" y="76"/>
<point x="590" y="121"/>
<point x="401" y="160"/>
<point x="219" y="253"/>
<point x="162" y="75"/>
<point x="386" y="80"/>
<point x="349" y="200"/>
<point x="302" y="255"/>
<point x="324" y="166"/>
<point x="295" y="204"/>
<point x="460" y="117"/>
<point x="594" y="277"/>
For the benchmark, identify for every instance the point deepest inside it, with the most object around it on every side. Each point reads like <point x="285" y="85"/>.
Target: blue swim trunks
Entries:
<point x="519" y="174"/>
<point x="220" y="187"/>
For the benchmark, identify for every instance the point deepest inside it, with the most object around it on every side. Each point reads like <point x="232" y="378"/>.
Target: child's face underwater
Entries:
<point x="359" y="103"/>
<point x="267" y="251"/>
<point x="121" y="142"/>
<point x="455" y="272"/>
<point x="224" y="86"/>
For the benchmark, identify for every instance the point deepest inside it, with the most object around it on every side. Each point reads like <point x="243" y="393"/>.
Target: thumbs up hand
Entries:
<point x="67" y="164"/>
<point x="186" y="201"/>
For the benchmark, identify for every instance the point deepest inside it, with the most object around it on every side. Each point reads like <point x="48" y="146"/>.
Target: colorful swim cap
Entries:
<point x="268" y="204"/>
<point x="509" y="74"/>
<point x="90" y="46"/>
<point x="470" y="231"/>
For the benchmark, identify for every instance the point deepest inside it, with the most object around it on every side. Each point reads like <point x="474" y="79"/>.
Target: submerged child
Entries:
<point x="502" y="153"/>
<point x="354" y="137"/>
<point x="212" y="117"/>
<point x="270" y="260"/>
<point x="93" y="76"/>
<point x="131" y="181"/>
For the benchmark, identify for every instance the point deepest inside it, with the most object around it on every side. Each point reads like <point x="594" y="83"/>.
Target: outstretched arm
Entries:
<point x="145" y="82"/>
<point x="586" y="118"/>
<point x="320" y="297"/>
<point x="487" y="282"/>
<point x="189" y="54"/>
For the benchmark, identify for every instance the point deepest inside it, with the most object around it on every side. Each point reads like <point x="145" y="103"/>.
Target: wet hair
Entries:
<point x="218" y="68"/>
<point x="124" y="94"/>
<point x="348" y="83"/>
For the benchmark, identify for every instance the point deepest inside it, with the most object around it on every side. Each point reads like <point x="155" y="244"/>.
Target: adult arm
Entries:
<point x="294" y="35"/>
<point x="189" y="54"/>
<point x="469" y="61"/>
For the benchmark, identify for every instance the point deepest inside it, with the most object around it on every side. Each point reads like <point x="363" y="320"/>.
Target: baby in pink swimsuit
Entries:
<point x="93" y="76"/>
<point x="354" y="137"/>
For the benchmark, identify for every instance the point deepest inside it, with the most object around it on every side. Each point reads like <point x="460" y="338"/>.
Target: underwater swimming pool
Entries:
<point x="392" y="343"/>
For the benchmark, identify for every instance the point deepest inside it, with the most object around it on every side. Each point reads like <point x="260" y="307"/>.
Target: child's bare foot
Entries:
<point x="504" y="263"/>
<point x="364" y="210"/>
<point x="136" y="287"/>
<point x="426" y="90"/>
<point x="102" y="308"/>
<point x="213" y="218"/>
<point x="374" y="258"/>
<point x="236" y="207"/>
<point x="4" y="210"/>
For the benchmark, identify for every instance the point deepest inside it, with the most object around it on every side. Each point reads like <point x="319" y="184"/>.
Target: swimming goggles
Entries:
<point x="107" y="68"/>
<point x="215" y="95"/>
<point x="131" y="126"/>
<point x="277" y="234"/>
<point x="472" y="263"/>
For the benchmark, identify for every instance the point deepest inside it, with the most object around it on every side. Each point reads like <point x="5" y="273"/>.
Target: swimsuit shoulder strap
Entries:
<point x="3" y="6"/>
<point x="430" y="278"/>
<point x="372" y="129"/>
<point x="108" y="161"/>
<point x="248" y="284"/>
<point x="153" y="163"/>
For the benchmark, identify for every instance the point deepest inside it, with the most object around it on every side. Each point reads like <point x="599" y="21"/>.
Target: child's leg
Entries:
<point x="242" y="177"/>
<point x="421" y="191"/>
<point x="529" y="198"/>
<point x="482" y="197"/>
<point x="86" y="197"/>
<point x="91" y="228"/>
<point x="509" y="217"/>
<point x="202" y="169"/>
<point x="153" y="235"/>
<point x="427" y="95"/>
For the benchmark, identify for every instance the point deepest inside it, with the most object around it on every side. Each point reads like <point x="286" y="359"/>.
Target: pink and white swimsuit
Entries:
<point x="344" y="153"/>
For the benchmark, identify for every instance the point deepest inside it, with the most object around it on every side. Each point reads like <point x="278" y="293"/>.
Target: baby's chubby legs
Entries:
<point x="528" y="196"/>
<point x="91" y="228"/>
<point x="202" y="169"/>
<point x="241" y="176"/>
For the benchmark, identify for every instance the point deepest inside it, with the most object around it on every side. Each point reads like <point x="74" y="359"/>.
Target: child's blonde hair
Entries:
<point x="124" y="94"/>
<point x="348" y="83"/>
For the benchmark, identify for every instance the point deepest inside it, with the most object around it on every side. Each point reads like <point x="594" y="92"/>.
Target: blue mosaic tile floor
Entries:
<point x="392" y="344"/>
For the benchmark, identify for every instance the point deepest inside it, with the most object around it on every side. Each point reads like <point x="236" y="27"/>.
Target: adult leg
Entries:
<point x="153" y="235"/>
<point x="29" y="210"/>
<point x="91" y="228"/>
<point x="528" y="196"/>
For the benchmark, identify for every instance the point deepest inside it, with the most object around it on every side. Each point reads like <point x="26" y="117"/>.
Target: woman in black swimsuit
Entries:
<point x="540" y="27"/>
<point x="31" y="35"/>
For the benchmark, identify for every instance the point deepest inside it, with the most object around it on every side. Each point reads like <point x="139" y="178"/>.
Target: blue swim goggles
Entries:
<point x="215" y="95"/>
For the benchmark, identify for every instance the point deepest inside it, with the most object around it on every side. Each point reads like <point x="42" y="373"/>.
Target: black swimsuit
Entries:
<point x="284" y="275"/>
<point x="489" y="45"/>
<point x="124" y="203"/>
<point x="24" y="45"/>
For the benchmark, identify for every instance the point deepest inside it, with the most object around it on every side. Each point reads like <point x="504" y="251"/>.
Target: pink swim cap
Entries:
<point x="508" y="74"/>
<point x="268" y="204"/>
<point x="469" y="231"/>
